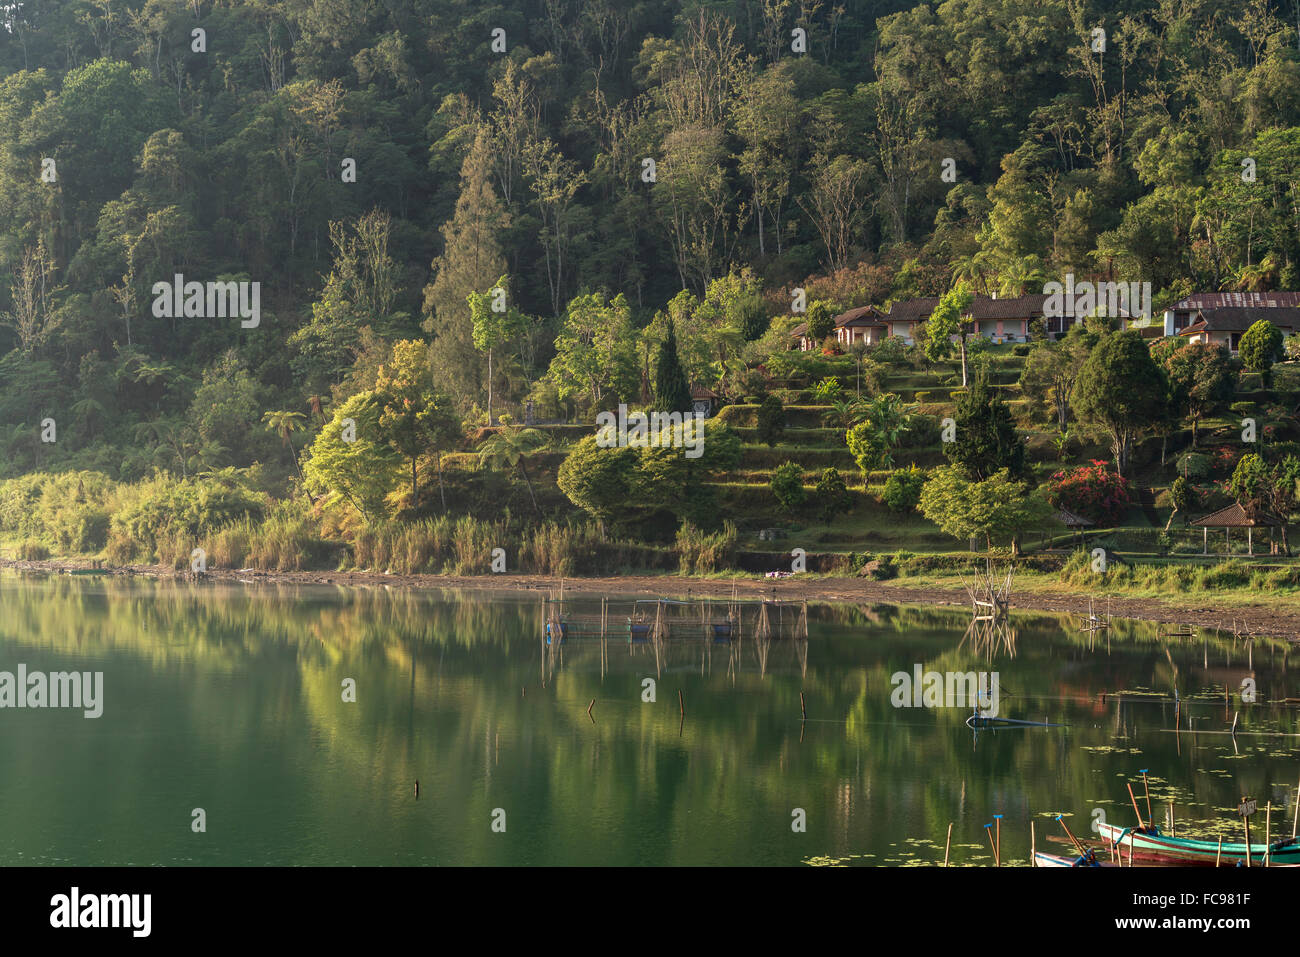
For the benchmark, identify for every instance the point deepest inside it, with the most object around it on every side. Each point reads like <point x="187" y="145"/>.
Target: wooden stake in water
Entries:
<point x="997" y="818"/>
<point x="1245" y="819"/>
<point x="1132" y="798"/>
<point x="1147" y="789"/>
<point x="1219" y="853"/>
<point x="1033" y="846"/>
<point x="802" y="708"/>
<point x="1268" y="823"/>
<point x="988" y="829"/>
<point x="947" y="844"/>
<point x="1296" y="820"/>
<point x="589" y="707"/>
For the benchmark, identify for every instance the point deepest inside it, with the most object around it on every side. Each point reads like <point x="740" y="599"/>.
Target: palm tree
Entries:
<point x="285" y="424"/>
<point x="1021" y="274"/>
<point x="510" y="446"/>
<point x="972" y="270"/>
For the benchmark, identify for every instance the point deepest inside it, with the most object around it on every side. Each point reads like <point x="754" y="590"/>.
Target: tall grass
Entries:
<point x="702" y="553"/>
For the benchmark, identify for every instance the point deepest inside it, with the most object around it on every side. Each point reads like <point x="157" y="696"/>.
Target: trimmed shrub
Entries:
<point x="903" y="489"/>
<point x="787" y="486"/>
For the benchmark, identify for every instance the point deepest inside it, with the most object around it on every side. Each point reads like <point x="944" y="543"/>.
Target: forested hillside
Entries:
<point x="382" y="169"/>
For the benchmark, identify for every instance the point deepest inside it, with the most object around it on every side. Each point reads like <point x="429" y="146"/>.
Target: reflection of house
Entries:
<point x="703" y="401"/>
<point x="1205" y="305"/>
<point x="1226" y="325"/>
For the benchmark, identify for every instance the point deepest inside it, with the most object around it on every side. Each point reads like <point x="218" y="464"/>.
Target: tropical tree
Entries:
<point x="945" y="323"/>
<point x="511" y="446"/>
<point x="284" y="424"/>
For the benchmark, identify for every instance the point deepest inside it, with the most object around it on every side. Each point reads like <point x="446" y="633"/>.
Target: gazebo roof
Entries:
<point x="1235" y="516"/>
<point x="1070" y="520"/>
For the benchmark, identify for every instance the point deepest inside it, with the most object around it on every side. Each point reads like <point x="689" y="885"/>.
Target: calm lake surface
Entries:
<point x="229" y="698"/>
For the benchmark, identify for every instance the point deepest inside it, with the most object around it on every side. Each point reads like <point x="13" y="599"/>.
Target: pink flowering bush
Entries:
<point x="1094" y="491"/>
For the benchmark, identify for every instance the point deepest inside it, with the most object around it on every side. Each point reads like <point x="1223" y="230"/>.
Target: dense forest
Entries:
<point x="619" y="172"/>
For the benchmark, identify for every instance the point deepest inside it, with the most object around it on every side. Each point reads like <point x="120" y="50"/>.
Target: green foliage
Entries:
<point x="771" y="420"/>
<point x="945" y="322"/>
<point x="704" y="553"/>
<point x="1121" y="391"/>
<point x="832" y="494"/>
<point x="1183" y="494"/>
<point x="996" y="508"/>
<point x="986" y="440"/>
<point x="872" y="440"/>
<point x="361" y="472"/>
<point x="828" y="389"/>
<point x="821" y="320"/>
<point x="787" y="486"/>
<point x="1260" y="346"/>
<point x="672" y="391"/>
<point x="903" y="489"/>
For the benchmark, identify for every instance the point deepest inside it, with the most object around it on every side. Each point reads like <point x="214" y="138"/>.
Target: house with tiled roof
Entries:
<point x="1225" y="325"/>
<point x="1207" y="306"/>
<point x="999" y="319"/>
<point x="866" y="324"/>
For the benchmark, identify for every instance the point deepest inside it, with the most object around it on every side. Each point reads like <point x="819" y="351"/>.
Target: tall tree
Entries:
<point x="672" y="391"/>
<point x="1121" y="391"/>
<point x="471" y="260"/>
<point x="986" y="438"/>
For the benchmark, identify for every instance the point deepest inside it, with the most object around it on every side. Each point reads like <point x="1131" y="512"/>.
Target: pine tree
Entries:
<point x="986" y="439"/>
<point x="672" y="391"/>
<point x="471" y="261"/>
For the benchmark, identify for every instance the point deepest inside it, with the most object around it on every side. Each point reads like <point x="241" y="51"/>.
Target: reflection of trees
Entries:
<point x="449" y="691"/>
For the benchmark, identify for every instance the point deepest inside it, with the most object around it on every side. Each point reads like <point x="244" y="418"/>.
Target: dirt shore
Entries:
<point x="1251" y="619"/>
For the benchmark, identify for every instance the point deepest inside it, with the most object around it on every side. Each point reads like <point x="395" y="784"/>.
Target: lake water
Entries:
<point x="229" y="698"/>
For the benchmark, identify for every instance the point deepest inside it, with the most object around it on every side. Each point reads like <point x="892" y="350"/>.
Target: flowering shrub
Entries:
<point x="1225" y="459"/>
<point x="1094" y="491"/>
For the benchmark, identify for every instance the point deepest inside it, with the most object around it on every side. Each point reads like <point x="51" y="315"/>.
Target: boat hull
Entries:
<point x="1042" y="859"/>
<point x="1178" y="850"/>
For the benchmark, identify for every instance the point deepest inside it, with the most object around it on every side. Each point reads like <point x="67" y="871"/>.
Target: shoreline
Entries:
<point x="1254" y="619"/>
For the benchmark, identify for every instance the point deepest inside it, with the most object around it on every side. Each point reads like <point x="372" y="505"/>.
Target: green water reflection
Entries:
<point x="228" y="698"/>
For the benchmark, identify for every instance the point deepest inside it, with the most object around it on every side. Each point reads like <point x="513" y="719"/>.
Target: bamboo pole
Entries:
<point x="997" y="818"/>
<point x="1147" y="790"/>
<point x="803" y="710"/>
<point x="1135" y="804"/>
<point x="1268" y="825"/>
<point x="1296" y="820"/>
<point x="1219" y="853"/>
<point x="1245" y="819"/>
<point x="1033" y="846"/>
<point x="947" y="844"/>
<point x="988" y="829"/>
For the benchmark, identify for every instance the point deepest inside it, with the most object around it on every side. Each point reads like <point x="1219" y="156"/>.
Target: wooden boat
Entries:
<point x="1043" y="859"/>
<point x="1150" y="845"/>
